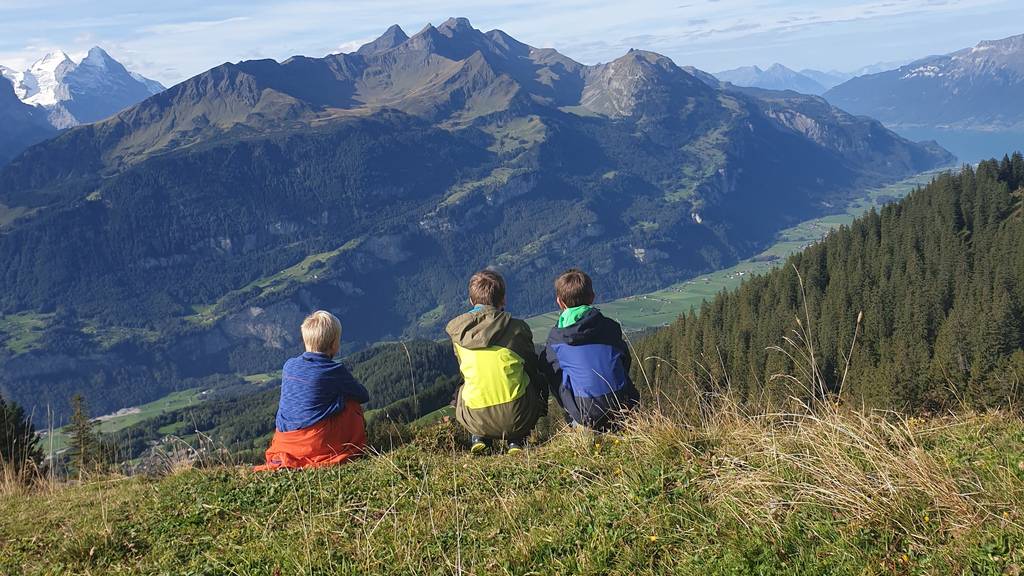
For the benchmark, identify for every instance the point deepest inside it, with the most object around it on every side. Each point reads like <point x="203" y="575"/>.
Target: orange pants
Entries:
<point x="334" y="440"/>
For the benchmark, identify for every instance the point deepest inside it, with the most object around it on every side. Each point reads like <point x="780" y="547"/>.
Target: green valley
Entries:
<point x="661" y="307"/>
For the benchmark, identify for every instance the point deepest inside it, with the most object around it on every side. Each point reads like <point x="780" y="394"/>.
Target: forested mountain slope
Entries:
<point x="188" y="235"/>
<point x="939" y="278"/>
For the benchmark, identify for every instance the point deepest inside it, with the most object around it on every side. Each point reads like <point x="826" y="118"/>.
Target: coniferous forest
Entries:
<point x="937" y="280"/>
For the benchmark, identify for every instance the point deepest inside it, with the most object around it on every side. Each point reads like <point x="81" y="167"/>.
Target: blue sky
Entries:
<point x="173" y="41"/>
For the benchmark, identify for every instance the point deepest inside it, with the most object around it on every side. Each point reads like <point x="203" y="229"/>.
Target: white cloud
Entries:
<point x="352" y="45"/>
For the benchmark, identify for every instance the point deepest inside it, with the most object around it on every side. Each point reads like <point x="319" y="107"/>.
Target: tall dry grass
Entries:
<point x="764" y="462"/>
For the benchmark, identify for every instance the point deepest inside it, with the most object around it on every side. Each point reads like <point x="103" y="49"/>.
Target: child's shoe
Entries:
<point x="477" y="444"/>
<point x="515" y="447"/>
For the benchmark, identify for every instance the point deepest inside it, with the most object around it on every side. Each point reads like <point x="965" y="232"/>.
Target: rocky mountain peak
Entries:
<point x="391" y="38"/>
<point x="455" y="26"/>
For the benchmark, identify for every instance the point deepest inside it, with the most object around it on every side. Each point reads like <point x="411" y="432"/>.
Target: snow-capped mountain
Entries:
<point x="43" y="83"/>
<point x="980" y="87"/>
<point x="79" y="93"/>
<point x="775" y="77"/>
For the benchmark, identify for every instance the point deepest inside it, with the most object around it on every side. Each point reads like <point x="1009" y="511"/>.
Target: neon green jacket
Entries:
<point x="504" y="392"/>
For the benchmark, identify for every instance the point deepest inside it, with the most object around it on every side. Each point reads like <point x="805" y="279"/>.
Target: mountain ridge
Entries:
<point x="972" y="88"/>
<point x="775" y="77"/>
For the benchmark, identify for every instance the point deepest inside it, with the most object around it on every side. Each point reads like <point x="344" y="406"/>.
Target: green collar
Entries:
<point x="572" y="315"/>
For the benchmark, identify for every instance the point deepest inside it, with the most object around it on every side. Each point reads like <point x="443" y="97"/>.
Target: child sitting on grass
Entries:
<point x="586" y="358"/>
<point x="504" y="392"/>
<point x="319" y="419"/>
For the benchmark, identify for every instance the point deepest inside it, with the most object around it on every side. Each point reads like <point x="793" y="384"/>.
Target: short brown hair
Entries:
<point x="487" y="288"/>
<point x="320" y="331"/>
<point x="574" y="288"/>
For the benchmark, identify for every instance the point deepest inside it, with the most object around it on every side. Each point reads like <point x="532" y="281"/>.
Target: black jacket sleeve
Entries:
<point x="551" y="367"/>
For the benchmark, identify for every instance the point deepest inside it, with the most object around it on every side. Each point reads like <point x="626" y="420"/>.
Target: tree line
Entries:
<point x="931" y="288"/>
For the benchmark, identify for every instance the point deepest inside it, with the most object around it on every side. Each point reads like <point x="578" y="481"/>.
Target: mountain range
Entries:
<point x="74" y="93"/>
<point x="807" y="80"/>
<point x="974" y="88"/>
<point x="188" y="235"/>
<point x="775" y="77"/>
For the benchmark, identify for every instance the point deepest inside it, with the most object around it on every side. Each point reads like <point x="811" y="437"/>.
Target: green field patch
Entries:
<point x="432" y="316"/>
<point x="526" y="252"/>
<point x="22" y="332"/>
<point x="517" y="134"/>
<point x="110" y="336"/>
<point x="662" y="307"/>
<point x="433" y="417"/>
<point x="308" y="270"/>
<point x="263" y="378"/>
<point x="497" y="178"/>
<point x="171" y="428"/>
<point x="126" y="417"/>
<point x="706" y="159"/>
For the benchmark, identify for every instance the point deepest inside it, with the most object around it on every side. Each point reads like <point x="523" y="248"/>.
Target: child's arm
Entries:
<point x="522" y="344"/>
<point x="551" y="368"/>
<point x="348" y="386"/>
<point x="624" y="352"/>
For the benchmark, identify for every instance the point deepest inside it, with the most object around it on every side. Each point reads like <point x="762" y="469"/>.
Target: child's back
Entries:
<point x="586" y="358"/>
<point x="590" y="363"/>
<point x="314" y="387"/>
<point x="504" y="392"/>
<point x="496" y="358"/>
<point x="319" y="418"/>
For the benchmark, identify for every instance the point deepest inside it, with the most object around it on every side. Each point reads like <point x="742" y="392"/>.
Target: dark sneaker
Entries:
<point x="516" y="446"/>
<point x="477" y="444"/>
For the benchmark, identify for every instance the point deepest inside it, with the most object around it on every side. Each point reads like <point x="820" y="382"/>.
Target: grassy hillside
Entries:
<point x="834" y="493"/>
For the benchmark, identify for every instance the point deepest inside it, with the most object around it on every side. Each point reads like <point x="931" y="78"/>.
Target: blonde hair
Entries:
<point x="321" y="330"/>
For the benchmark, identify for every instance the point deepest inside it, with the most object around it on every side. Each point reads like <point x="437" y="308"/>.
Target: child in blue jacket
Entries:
<point x="587" y="359"/>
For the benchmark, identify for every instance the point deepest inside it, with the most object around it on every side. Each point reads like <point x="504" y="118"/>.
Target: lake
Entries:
<point x="969" y="145"/>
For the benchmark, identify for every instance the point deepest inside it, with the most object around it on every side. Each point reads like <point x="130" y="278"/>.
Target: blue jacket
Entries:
<point x="314" y="387"/>
<point x="588" y="367"/>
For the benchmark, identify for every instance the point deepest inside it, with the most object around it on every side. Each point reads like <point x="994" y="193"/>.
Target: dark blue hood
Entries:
<point x="593" y="328"/>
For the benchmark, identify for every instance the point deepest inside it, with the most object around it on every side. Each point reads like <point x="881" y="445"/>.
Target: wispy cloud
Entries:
<point x="193" y="26"/>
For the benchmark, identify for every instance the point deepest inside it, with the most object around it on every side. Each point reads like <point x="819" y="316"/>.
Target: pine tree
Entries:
<point x="84" y="444"/>
<point x="19" y="445"/>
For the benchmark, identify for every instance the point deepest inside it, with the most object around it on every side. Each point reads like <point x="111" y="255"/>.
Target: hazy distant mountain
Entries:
<point x="877" y="67"/>
<point x="827" y="79"/>
<point x="200" y="225"/>
<point x="23" y="125"/>
<point x="980" y="87"/>
<point x="79" y="93"/>
<point x="775" y="77"/>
